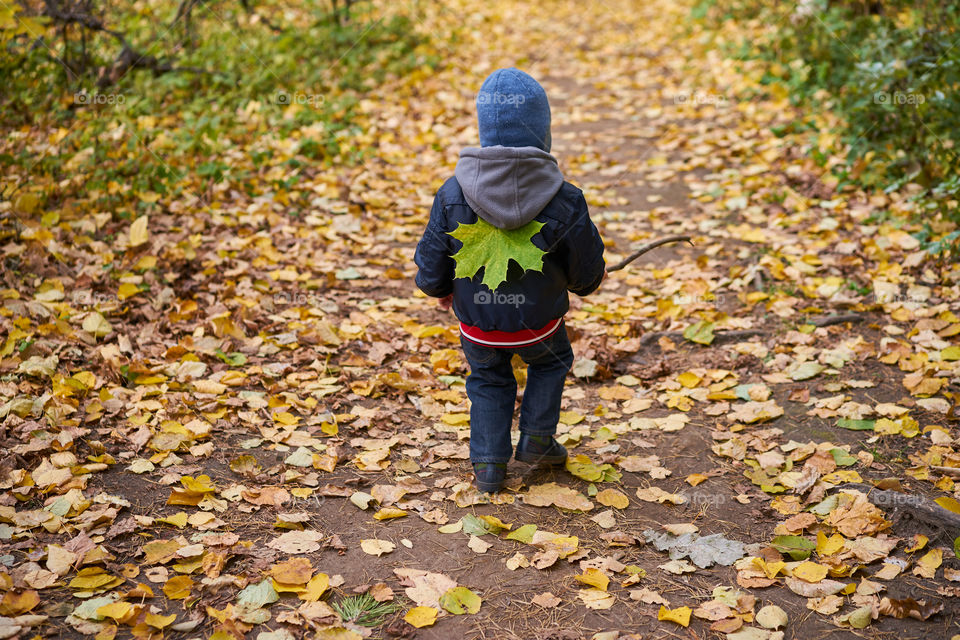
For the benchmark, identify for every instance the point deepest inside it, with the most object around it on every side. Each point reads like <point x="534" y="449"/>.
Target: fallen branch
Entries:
<point x="826" y="321"/>
<point x="718" y="335"/>
<point x="647" y="247"/>
<point x="947" y="471"/>
<point x="731" y="334"/>
<point x="910" y="504"/>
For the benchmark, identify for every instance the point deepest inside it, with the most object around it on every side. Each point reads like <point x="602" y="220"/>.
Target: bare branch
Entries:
<point x="647" y="247"/>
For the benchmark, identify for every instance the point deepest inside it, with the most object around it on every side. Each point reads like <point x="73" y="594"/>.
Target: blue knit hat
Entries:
<point x="513" y="111"/>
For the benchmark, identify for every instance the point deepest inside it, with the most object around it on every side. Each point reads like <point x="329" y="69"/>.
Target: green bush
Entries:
<point x="236" y="76"/>
<point x="888" y="68"/>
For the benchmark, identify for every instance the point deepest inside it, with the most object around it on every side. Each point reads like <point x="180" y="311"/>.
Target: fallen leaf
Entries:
<point x="421" y="616"/>
<point x="376" y="547"/>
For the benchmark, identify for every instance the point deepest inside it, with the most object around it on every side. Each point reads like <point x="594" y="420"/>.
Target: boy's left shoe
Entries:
<point x="490" y="476"/>
<point x="540" y="450"/>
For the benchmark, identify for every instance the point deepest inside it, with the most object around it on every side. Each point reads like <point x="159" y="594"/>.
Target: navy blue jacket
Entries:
<point x="527" y="300"/>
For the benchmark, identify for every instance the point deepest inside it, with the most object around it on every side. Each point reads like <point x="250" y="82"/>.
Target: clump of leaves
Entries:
<point x="364" y="610"/>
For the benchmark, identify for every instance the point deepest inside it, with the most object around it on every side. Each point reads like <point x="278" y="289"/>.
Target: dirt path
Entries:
<point x="352" y="384"/>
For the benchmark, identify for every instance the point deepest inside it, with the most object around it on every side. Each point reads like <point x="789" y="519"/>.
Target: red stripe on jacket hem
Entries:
<point x="502" y="339"/>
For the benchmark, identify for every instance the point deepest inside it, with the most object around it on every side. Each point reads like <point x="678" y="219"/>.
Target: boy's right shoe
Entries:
<point x="490" y="475"/>
<point x="540" y="450"/>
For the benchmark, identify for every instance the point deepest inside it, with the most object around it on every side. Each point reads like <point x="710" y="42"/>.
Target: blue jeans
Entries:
<point x="492" y="390"/>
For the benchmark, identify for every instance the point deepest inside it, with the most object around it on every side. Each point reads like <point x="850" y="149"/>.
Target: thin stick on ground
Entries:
<point x="647" y="247"/>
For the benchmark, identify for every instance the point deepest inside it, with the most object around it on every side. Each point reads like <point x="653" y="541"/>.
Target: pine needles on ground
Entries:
<point x="364" y="610"/>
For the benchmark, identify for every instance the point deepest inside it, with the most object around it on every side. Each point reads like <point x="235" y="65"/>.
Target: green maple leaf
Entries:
<point x="491" y="249"/>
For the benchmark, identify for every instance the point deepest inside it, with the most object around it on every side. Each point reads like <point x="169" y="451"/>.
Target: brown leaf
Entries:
<point x="909" y="608"/>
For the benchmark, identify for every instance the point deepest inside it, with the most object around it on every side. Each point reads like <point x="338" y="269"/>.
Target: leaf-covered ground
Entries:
<point x="223" y="420"/>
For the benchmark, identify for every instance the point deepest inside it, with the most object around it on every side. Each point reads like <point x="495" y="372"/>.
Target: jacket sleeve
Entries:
<point x="436" y="267"/>
<point x="585" y="264"/>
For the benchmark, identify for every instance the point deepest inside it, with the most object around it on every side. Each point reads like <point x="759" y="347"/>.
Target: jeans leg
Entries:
<point x="492" y="389"/>
<point x="547" y="366"/>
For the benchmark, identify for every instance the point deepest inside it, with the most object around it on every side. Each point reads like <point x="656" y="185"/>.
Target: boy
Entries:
<point x="510" y="181"/>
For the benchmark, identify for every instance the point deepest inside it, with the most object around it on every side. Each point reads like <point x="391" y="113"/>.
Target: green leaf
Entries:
<point x="956" y="547"/>
<point x="472" y="525"/>
<point x="234" y="359"/>
<point x="856" y="425"/>
<point x="798" y="547"/>
<point x="583" y="468"/>
<point x="491" y="249"/>
<point x="842" y="458"/>
<point x="257" y="595"/>
<point x="806" y="370"/>
<point x="525" y="533"/>
<point x="460" y="600"/>
<point x="701" y="332"/>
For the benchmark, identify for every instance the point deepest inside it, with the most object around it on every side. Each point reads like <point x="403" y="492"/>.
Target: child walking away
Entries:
<point x="507" y="239"/>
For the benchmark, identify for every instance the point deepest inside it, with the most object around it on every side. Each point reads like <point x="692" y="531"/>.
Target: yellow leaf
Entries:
<point x="695" y="478"/>
<point x="201" y="483"/>
<point x="178" y="587"/>
<point x="613" y="498"/>
<point x="295" y="571"/>
<point x="85" y="378"/>
<point x="810" y="571"/>
<point x="178" y="520"/>
<point x="948" y="503"/>
<point x="96" y="325"/>
<point x="93" y="578"/>
<point x="689" y="379"/>
<point x="145" y="262"/>
<point x="594" y="578"/>
<point x="14" y="603"/>
<point x="770" y="569"/>
<point x="496" y="524"/>
<point x="331" y="429"/>
<point x="597" y="599"/>
<point x="158" y="621"/>
<point x="421" y="616"/>
<point x="116" y="610"/>
<point x="680" y="615"/>
<point x="919" y="542"/>
<point x="927" y="565"/>
<point x="138" y="231"/>
<point x="389" y="513"/>
<point x="127" y="290"/>
<point x="570" y="417"/>
<point x="160" y="551"/>
<point x="315" y="588"/>
<point x="286" y="418"/>
<point x="829" y="546"/>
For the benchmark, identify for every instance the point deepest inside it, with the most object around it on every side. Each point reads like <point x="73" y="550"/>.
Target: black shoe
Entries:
<point x="540" y="450"/>
<point x="490" y="476"/>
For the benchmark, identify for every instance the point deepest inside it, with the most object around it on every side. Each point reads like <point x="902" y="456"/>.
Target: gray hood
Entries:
<point x="508" y="186"/>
